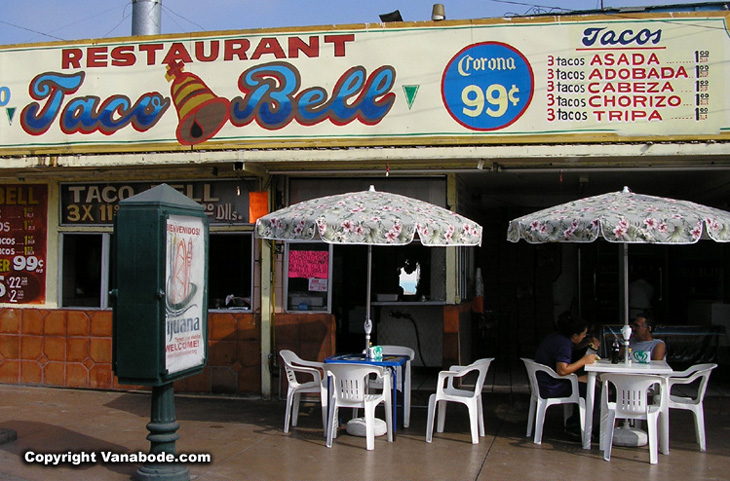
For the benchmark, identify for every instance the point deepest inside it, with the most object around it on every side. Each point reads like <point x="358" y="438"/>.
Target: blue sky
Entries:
<point x="32" y="21"/>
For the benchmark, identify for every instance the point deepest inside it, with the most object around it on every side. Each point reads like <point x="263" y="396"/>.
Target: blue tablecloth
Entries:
<point x="387" y="361"/>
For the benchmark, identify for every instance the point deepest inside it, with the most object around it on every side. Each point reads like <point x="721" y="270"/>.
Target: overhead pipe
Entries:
<point x="146" y="15"/>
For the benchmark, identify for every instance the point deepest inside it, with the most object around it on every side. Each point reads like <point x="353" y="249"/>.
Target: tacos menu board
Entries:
<point x="23" y="217"/>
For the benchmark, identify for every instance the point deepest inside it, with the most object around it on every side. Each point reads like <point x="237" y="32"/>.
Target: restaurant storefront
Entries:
<point x="490" y="118"/>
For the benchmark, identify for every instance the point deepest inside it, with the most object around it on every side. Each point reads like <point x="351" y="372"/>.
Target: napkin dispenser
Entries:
<point x="375" y="353"/>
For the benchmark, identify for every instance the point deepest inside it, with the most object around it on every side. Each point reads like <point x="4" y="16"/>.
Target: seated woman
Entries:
<point x="642" y="340"/>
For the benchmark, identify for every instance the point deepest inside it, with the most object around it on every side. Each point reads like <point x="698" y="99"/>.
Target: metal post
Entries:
<point x="163" y="434"/>
<point x="267" y="315"/>
<point x="146" y="17"/>
<point x="368" y="322"/>
<point x="580" y="282"/>
<point x="624" y="273"/>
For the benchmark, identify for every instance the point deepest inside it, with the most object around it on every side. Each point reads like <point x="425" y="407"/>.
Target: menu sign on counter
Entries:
<point x="23" y="216"/>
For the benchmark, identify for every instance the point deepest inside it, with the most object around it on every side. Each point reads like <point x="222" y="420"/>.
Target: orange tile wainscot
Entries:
<point x="73" y="348"/>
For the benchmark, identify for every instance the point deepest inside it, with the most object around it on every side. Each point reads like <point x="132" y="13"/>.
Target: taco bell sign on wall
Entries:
<point x="553" y="79"/>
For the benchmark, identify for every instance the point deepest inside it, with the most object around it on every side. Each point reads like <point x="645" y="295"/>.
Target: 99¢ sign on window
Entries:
<point x="23" y="216"/>
<point x="487" y="86"/>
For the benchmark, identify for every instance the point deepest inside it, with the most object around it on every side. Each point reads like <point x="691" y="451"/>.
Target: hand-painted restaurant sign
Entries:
<point x="527" y="80"/>
<point x="226" y="202"/>
<point x="23" y="216"/>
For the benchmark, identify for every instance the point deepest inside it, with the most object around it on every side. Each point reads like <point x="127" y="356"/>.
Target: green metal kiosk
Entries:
<point x="160" y="310"/>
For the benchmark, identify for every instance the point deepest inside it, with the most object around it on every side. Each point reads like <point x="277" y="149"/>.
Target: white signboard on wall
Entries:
<point x="531" y="80"/>
<point x="185" y="281"/>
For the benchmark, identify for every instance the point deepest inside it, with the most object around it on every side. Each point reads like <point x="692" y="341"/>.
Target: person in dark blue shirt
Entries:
<point x="555" y="351"/>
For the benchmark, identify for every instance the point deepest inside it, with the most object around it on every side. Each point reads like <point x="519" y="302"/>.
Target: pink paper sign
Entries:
<point x="309" y="264"/>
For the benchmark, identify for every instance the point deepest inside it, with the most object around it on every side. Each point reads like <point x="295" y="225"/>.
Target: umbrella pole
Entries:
<point x="368" y="322"/>
<point x="624" y="271"/>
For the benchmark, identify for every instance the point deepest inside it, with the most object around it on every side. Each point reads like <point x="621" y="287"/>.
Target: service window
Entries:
<point x="412" y="272"/>
<point x="84" y="270"/>
<point x="308" y="274"/>
<point x="230" y="271"/>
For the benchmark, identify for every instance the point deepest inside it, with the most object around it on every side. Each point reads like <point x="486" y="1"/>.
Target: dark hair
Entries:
<point x="648" y="321"/>
<point x="568" y="324"/>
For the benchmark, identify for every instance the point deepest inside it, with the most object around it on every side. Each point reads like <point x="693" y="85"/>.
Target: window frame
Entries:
<point x="105" y="268"/>
<point x="328" y="306"/>
<point x="252" y="269"/>
<point x="105" y="271"/>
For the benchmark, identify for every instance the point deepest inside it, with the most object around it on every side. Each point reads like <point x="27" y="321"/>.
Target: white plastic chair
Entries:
<point x="293" y="364"/>
<point x="446" y="392"/>
<point x="693" y="403"/>
<point x="632" y="402"/>
<point x="404" y="383"/>
<point x="349" y="384"/>
<point x="539" y="404"/>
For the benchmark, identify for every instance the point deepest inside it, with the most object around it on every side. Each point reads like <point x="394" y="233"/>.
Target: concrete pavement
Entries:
<point x="245" y="439"/>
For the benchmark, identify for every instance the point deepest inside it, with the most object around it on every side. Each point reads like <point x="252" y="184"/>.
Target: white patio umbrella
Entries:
<point x="369" y="218"/>
<point x="625" y="218"/>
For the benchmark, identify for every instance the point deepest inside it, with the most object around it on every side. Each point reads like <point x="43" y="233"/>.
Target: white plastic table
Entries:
<point x="660" y="368"/>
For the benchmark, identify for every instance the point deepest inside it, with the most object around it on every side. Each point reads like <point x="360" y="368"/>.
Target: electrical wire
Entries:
<point x="174" y="13"/>
<point x="532" y="5"/>
<point x="406" y="315"/>
<point x="63" y="27"/>
<point x="124" y="17"/>
<point x="30" y="30"/>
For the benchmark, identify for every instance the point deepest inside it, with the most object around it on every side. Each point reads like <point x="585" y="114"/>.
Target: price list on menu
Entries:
<point x="23" y="217"/>
<point x="624" y="88"/>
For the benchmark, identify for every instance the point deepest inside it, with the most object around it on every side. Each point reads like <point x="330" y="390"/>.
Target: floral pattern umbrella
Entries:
<point x="623" y="217"/>
<point x="626" y="218"/>
<point x="369" y="218"/>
